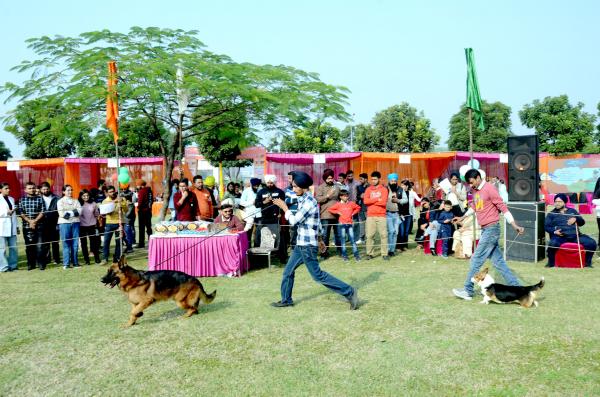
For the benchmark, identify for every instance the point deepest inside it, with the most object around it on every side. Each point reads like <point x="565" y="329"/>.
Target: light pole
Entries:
<point x="352" y="134"/>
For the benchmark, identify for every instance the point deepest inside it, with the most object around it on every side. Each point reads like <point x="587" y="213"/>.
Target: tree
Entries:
<point x="229" y="135"/>
<point x="4" y="152"/>
<point x="133" y="141"/>
<point x="561" y="127"/>
<point x="47" y="129"/>
<point x="316" y="137"/>
<point x="399" y="128"/>
<point x="497" y="121"/>
<point x="158" y="68"/>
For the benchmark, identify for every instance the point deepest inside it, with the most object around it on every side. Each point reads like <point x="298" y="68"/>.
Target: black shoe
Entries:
<point x="433" y="253"/>
<point x="368" y="257"/>
<point x="353" y="299"/>
<point x="391" y="253"/>
<point x="279" y="304"/>
<point x="129" y="251"/>
<point x="386" y="258"/>
<point x="549" y="265"/>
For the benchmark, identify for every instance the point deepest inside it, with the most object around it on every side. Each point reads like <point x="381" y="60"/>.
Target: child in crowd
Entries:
<point x="445" y="220"/>
<point x="426" y="216"/>
<point x="440" y="227"/>
<point x="346" y="210"/>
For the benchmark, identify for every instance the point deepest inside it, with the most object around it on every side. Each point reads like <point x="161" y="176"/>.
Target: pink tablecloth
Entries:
<point x="200" y="256"/>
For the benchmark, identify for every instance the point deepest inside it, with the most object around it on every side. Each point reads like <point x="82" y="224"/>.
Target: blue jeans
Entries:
<point x="403" y="231"/>
<point x="445" y="234"/>
<point x="109" y="230"/>
<point x="393" y="223"/>
<point x="348" y="229"/>
<point x="432" y="231"/>
<point x="129" y="235"/>
<point x="8" y="262"/>
<point x="308" y="255"/>
<point x="488" y="248"/>
<point x="69" y="235"/>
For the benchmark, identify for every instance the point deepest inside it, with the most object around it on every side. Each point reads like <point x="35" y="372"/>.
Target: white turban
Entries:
<point x="270" y="178"/>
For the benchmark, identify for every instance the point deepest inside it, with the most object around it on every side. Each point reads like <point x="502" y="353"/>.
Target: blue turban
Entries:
<point x="561" y="196"/>
<point x="392" y="177"/>
<point x="302" y="179"/>
<point x="254" y="182"/>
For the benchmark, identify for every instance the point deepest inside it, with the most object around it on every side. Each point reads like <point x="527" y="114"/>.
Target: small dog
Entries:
<point x="143" y="288"/>
<point x="501" y="293"/>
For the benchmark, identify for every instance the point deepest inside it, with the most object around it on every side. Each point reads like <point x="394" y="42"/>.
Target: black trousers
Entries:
<point x="89" y="233"/>
<point x="33" y="248"/>
<point x="145" y="226"/>
<point x="50" y="248"/>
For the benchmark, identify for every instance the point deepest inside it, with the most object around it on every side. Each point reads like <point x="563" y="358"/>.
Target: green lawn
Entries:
<point x="60" y="334"/>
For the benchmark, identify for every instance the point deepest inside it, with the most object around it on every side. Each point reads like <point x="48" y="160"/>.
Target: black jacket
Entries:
<point x="270" y="212"/>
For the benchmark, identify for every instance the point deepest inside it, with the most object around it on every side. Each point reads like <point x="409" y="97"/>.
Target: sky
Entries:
<point x="384" y="52"/>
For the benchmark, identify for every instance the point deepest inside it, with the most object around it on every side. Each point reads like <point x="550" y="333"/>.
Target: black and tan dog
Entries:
<point x="143" y="288"/>
<point x="500" y="293"/>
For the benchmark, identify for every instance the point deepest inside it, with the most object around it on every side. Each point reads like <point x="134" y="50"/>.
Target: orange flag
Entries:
<point x="112" y="105"/>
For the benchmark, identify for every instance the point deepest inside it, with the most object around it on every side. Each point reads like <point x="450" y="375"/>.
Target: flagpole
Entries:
<point x="471" y="164"/>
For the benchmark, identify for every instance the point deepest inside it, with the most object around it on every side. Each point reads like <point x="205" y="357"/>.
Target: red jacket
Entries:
<point x="188" y="210"/>
<point x="376" y="200"/>
<point x="345" y="210"/>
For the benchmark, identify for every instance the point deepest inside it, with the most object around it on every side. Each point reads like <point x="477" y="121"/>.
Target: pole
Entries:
<point x="119" y="198"/>
<point x="471" y="164"/>
<point x="578" y="246"/>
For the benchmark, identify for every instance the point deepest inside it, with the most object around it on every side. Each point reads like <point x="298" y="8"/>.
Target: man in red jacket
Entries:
<point x="186" y="203"/>
<point x="145" y="201"/>
<point x="376" y="197"/>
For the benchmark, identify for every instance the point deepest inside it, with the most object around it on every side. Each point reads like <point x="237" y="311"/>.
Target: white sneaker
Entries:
<point x="462" y="294"/>
<point x="359" y="241"/>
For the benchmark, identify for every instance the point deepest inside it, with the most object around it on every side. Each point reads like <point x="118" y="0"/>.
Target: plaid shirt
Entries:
<point x="307" y="220"/>
<point x="31" y="206"/>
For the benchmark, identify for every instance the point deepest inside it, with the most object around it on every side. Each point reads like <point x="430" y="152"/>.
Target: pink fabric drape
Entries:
<point x="200" y="256"/>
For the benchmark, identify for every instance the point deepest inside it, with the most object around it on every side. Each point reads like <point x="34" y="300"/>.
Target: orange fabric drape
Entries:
<point x="112" y="105"/>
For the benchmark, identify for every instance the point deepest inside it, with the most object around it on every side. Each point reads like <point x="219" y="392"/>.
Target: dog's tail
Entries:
<point x="539" y="285"/>
<point x="206" y="298"/>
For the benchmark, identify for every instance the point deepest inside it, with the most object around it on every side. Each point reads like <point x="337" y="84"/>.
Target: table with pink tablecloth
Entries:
<point x="197" y="256"/>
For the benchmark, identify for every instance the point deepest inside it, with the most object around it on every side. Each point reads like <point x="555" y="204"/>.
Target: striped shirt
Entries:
<point x="307" y="220"/>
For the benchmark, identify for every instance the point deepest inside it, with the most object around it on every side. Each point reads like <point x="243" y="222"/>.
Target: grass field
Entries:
<point x="60" y="334"/>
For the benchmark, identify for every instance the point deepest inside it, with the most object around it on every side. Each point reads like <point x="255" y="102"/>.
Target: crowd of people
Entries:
<point x="88" y="221"/>
<point x="357" y="212"/>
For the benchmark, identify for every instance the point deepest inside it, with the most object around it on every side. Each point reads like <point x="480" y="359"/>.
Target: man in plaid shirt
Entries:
<point x="31" y="210"/>
<point x="307" y="220"/>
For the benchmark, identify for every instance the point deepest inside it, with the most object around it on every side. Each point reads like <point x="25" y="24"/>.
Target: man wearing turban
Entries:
<point x="327" y="194"/>
<point x="562" y="225"/>
<point x="247" y="201"/>
<point x="305" y="250"/>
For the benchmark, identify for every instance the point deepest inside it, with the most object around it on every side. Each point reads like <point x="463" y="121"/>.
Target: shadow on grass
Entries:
<point x="369" y="279"/>
<point x="202" y="309"/>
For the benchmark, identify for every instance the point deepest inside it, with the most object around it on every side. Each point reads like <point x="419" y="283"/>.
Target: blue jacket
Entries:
<point x="556" y="220"/>
<point x="443" y="216"/>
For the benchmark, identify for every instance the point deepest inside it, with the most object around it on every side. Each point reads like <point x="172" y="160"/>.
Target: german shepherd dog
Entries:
<point x="143" y="288"/>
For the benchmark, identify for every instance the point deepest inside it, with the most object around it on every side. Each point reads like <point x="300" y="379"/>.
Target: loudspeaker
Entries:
<point x="531" y="245"/>
<point x="523" y="168"/>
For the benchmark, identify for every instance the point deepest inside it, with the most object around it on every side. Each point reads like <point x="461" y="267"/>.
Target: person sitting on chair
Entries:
<point x="227" y="217"/>
<point x="562" y="224"/>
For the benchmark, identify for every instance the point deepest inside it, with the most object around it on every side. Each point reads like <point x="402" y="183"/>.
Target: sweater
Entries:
<point x="376" y="199"/>
<point x="68" y="210"/>
<point x="486" y="204"/>
<point x="326" y="202"/>
<point x="345" y="210"/>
